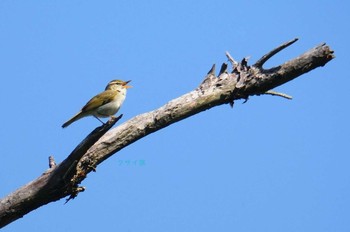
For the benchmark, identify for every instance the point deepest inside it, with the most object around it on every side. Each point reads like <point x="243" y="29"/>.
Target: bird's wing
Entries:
<point x="99" y="100"/>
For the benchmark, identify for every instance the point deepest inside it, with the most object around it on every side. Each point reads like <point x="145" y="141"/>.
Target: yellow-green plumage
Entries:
<point x="104" y="104"/>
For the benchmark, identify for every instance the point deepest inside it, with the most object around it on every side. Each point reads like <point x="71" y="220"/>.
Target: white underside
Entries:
<point x="110" y="108"/>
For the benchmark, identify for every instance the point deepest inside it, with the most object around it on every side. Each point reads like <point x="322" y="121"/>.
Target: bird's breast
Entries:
<point x="110" y="108"/>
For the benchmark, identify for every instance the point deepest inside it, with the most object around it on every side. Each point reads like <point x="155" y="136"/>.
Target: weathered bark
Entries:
<point x="243" y="81"/>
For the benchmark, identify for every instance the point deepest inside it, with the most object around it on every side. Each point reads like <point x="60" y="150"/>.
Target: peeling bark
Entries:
<point x="243" y="81"/>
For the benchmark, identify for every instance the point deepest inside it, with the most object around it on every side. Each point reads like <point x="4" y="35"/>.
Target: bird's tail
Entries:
<point x="79" y="115"/>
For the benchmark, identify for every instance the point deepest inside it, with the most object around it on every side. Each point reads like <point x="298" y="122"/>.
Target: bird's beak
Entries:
<point x="125" y="84"/>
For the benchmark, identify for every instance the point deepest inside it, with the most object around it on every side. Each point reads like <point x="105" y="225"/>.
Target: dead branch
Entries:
<point x="243" y="81"/>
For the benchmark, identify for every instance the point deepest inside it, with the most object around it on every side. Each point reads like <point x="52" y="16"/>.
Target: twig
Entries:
<point x="267" y="56"/>
<point x="75" y="193"/>
<point x="52" y="162"/>
<point x="232" y="61"/>
<point x="273" y="93"/>
<point x="223" y="68"/>
<point x="212" y="70"/>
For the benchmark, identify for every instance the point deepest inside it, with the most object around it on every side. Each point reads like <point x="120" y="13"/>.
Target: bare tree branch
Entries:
<point x="267" y="56"/>
<point x="52" y="185"/>
<point x="243" y="81"/>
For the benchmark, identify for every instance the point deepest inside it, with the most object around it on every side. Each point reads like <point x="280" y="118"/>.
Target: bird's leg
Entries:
<point x="99" y="120"/>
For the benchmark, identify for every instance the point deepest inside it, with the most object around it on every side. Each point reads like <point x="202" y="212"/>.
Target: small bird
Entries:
<point x="105" y="104"/>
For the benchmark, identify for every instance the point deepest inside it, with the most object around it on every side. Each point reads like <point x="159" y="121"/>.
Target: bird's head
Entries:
<point x="117" y="84"/>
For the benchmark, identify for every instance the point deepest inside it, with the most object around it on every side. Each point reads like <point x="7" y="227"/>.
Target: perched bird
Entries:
<point x="105" y="104"/>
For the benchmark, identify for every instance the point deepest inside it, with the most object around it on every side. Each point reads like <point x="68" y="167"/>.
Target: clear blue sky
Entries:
<point x="267" y="165"/>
